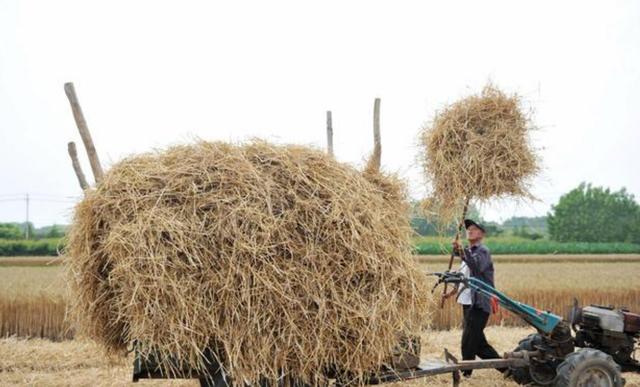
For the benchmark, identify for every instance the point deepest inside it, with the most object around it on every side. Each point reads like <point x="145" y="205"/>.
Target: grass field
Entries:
<point x="81" y="363"/>
<point x="503" y="244"/>
<point x="516" y="245"/>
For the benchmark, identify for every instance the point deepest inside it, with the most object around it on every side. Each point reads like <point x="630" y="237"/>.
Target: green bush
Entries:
<point x="30" y="247"/>
<point x="10" y="231"/>
<point x="517" y="245"/>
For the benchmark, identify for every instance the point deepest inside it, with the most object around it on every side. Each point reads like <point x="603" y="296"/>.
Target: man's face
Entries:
<point x="474" y="233"/>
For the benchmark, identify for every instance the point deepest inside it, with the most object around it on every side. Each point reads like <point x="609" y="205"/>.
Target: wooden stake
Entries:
<point x="329" y="133"/>
<point x="377" y="148"/>
<point x="96" y="168"/>
<point x="71" y="147"/>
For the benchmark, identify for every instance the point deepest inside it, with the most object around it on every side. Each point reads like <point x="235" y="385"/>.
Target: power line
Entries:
<point x="27" y="222"/>
<point x="22" y="199"/>
<point x="28" y="198"/>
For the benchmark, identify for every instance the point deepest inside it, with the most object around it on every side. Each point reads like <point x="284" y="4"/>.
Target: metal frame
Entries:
<point x="426" y="369"/>
<point x="450" y="365"/>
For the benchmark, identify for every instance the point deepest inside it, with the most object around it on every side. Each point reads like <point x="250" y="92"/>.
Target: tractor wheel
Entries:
<point x="589" y="367"/>
<point x="521" y="375"/>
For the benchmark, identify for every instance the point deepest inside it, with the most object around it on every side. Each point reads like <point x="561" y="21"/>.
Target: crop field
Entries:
<point x="32" y="295"/>
<point x="32" y="289"/>
<point x="552" y="285"/>
<point x="32" y="302"/>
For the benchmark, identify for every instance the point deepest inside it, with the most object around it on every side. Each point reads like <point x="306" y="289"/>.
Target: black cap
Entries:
<point x="468" y="223"/>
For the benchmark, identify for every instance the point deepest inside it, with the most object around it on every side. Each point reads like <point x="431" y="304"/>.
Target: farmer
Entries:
<point x="477" y="259"/>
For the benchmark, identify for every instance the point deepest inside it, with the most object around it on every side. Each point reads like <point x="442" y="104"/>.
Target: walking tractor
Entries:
<point x="591" y="349"/>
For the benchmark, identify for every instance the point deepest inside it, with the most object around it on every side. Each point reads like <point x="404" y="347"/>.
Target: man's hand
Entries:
<point x="451" y="293"/>
<point x="457" y="247"/>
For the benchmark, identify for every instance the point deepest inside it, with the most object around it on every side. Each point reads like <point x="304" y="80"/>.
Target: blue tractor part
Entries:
<point x="543" y="321"/>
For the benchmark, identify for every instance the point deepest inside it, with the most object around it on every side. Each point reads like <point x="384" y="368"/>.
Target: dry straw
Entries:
<point x="282" y="259"/>
<point x="477" y="148"/>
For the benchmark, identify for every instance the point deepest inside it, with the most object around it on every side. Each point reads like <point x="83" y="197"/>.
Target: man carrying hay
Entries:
<point x="478" y="259"/>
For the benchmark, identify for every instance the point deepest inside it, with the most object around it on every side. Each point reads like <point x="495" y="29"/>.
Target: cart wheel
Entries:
<point x="589" y="367"/>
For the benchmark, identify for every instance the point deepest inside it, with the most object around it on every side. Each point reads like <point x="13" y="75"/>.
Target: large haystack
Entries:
<point x="281" y="258"/>
<point x="478" y="148"/>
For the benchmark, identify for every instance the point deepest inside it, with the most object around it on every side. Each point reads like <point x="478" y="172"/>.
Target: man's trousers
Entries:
<point x="474" y="342"/>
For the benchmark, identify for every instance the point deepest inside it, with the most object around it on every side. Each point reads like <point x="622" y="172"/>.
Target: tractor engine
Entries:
<point x="613" y="331"/>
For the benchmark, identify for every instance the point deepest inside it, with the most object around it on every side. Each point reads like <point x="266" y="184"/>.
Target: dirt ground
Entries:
<point x="80" y="363"/>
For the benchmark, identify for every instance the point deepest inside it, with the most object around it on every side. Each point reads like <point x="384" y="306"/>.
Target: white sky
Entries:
<point x="150" y="74"/>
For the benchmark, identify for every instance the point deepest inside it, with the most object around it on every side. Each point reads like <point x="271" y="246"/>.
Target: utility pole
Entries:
<point x="26" y="228"/>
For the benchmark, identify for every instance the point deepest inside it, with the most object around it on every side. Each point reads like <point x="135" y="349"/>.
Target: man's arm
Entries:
<point x="481" y="264"/>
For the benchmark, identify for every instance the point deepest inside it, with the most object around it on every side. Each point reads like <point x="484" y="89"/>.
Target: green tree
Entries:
<point x="10" y="231"/>
<point x="54" y="231"/>
<point x="516" y="224"/>
<point x="28" y="226"/>
<point x="524" y="232"/>
<point x="595" y="214"/>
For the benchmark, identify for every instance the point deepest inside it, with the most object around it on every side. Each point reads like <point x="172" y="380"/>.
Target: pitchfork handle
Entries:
<point x="453" y="250"/>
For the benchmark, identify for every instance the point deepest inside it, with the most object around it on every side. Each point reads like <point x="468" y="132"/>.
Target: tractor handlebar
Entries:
<point x="541" y="320"/>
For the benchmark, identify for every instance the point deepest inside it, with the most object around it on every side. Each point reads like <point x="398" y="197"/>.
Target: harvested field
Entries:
<point x="80" y="363"/>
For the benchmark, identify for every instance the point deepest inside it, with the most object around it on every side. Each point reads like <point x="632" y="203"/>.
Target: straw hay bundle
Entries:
<point x="279" y="257"/>
<point x="477" y="148"/>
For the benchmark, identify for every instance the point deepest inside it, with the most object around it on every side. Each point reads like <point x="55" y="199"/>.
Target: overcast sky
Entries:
<point x="151" y="74"/>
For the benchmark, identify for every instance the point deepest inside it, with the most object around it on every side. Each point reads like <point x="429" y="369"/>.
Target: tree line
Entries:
<point x="16" y="231"/>
<point x="584" y="214"/>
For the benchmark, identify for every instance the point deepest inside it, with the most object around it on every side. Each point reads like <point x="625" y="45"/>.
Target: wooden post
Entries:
<point x="373" y="164"/>
<point x="329" y="133"/>
<point x="71" y="147"/>
<point x="377" y="148"/>
<point x="96" y="168"/>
